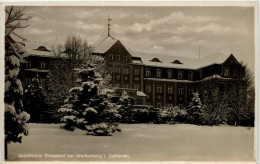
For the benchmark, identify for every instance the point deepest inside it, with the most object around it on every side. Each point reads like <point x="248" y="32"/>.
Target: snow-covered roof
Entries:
<point x="216" y="58"/>
<point x="215" y="76"/>
<point x="37" y="49"/>
<point x="141" y="94"/>
<point x="104" y="45"/>
<point x="186" y="63"/>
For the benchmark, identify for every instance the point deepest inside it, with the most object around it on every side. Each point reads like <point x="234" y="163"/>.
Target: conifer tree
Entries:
<point x="34" y="101"/>
<point x="15" y="118"/>
<point x="195" y="109"/>
<point x="88" y="106"/>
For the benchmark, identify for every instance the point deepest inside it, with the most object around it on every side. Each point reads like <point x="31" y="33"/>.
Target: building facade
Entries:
<point x="150" y="79"/>
<point x="161" y="80"/>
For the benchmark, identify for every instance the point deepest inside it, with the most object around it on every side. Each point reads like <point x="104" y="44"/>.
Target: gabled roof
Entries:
<point x="216" y="58"/>
<point x="104" y="45"/>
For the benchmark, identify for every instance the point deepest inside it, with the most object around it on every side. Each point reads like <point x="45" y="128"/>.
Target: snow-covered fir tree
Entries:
<point x="34" y="101"/>
<point x="195" y="109"/>
<point x="88" y="106"/>
<point x="15" y="118"/>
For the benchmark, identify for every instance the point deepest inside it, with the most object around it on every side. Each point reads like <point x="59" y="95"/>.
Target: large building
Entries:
<point x="150" y="79"/>
<point x="160" y="80"/>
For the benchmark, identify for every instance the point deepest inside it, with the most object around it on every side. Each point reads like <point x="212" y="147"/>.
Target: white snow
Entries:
<point x="104" y="45"/>
<point x="9" y="108"/>
<point x="14" y="61"/>
<point x="91" y="110"/>
<point x="76" y="89"/>
<point x="142" y="142"/>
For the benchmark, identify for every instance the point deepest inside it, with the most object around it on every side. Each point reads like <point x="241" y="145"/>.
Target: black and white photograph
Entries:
<point x="129" y="82"/>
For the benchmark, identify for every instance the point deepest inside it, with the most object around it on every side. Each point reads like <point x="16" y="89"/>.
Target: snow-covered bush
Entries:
<point x="172" y="114"/>
<point x="88" y="108"/>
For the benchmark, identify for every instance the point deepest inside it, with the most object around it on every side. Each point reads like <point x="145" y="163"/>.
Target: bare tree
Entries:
<point x="63" y="75"/>
<point x="241" y="98"/>
<point x="214" y="103"/>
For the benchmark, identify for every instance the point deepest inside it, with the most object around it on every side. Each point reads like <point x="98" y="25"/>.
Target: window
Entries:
<point x="181" y="91"/>
<point x="28" y="81"/>
<point x="155" y="60"/>
<point x="117" y="57"/>
<point x="148" y="103"/>
<point x="126" y="86"/>
<point x="136" y="72"/>
<point x="136" y="87"/>
<point x="147" y="73"/>
<point x="125" y="58"/>
<point x="110" y="56"/>
<point x="176" y="62"/>
<point x="181" y="106"/>
<point x="170" y="90"/>
<point x="118" y="77"/>
<point x="190" y="75"/>
<point x="159" y="89"/>
<point x="43" y="65"/>
<point x="158" y="105"/>
<point x="226" y="72"/>
<point x="117" y="70"/>
<point x="126" y="71"/>
<point x="148" y="89"/>
<point x="158" y="73"/>
<point x="169" y="74"/>
<point x="117" y="85"/>
<point x="179" y="74"/>
<point x="126" y="78"/>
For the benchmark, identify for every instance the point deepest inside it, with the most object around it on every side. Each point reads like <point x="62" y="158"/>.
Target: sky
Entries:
<point x="178" y="31"/>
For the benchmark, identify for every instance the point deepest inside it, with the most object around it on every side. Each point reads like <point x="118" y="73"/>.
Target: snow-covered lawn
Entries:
<point x="140" y="142"/>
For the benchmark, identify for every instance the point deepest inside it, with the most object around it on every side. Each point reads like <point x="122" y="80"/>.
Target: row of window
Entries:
<point x="169" y="74"/>
<point x="118" y="58"/>
<point x="42" y="65"/>
<point x="169" y="90"/>
<point x="148" y="73"/>
<point x="125" y="71"/>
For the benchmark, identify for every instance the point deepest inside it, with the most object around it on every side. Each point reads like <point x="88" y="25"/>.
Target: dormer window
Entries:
<point x="42" y="48"/>
<point x="155" y="60"/>
<point x="176" y="62"/>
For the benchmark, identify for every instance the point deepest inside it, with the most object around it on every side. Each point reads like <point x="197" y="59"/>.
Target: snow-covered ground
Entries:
<point x="140" y="142"/>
